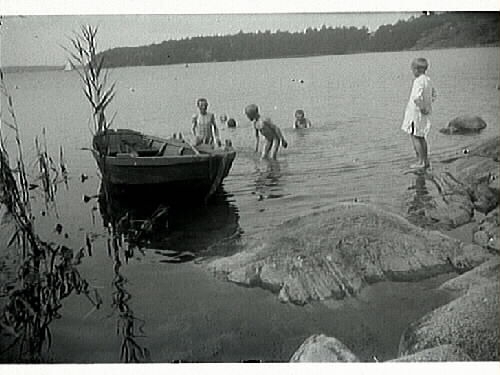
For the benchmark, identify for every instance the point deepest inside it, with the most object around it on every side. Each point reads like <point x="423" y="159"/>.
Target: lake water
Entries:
<point x="354" y="151"/>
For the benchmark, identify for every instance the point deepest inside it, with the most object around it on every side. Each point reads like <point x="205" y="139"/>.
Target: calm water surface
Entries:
<point x="354" y="151"/>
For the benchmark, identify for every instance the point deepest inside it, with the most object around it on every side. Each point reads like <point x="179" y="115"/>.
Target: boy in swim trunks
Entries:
<point x="417" y="121"/>
<point x="272" y="134"/>
<point x="204" y="128"/>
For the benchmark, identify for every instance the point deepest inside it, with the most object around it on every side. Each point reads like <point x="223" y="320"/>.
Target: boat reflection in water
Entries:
<point x="178" y="232"/>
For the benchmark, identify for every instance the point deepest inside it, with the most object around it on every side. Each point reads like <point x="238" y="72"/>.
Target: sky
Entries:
<point x="36" y="37"/>
<point x="37" y="40"/>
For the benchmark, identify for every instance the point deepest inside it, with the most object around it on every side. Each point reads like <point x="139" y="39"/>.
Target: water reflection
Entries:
<point x="175" y="233"/>
<point x="128" y="325"/>
<point x="268" y="183"/>
<point x="422" y="199"/>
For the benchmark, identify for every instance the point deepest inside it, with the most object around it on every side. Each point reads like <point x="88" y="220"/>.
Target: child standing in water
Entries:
<point x="301" y="122"/>
<point x="204" y="128"/>
<point x="417" y="121"/>
<point x="272" y="134"/>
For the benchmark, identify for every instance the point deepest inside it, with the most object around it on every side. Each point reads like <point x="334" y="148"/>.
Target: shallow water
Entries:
<point x="354" y="151"/>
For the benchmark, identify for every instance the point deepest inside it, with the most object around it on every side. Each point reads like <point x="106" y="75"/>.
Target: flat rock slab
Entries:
<point x="321" y="348"/>
<point x="488" y="149"/>
<point x="470" y="322"/>
<point x="442" y="353"/>
<point x="438" y="201"/>
<point x="336" y="252"/>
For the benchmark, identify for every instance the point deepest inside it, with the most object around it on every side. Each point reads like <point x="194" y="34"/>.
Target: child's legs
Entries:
<point x="275" y="147"/>
<point x="425" y="155"/>
<point x="416" y="145"/>
<point x="420" y="145"/>
<point x="267" y="147"/>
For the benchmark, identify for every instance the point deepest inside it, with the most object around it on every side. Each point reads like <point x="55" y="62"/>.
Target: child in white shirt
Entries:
<point x="417" y="120"/>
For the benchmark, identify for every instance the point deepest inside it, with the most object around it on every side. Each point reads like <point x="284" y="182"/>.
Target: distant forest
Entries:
<point x="454" y="29"/>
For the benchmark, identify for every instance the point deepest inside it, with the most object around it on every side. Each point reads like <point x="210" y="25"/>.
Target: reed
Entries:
<point x="94" y="77"/>
<point x="47" y="271"/>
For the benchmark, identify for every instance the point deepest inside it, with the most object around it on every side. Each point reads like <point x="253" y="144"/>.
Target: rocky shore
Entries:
<point x="335" y="253"/>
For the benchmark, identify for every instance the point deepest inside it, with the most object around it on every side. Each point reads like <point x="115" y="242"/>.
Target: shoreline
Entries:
<point x="52" y="68"/>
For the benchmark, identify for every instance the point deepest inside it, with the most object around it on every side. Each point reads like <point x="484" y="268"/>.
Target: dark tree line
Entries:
<point x="427" y="31"/>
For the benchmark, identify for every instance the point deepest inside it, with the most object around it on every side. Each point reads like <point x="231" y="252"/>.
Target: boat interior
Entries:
<point x="124" y="142"/>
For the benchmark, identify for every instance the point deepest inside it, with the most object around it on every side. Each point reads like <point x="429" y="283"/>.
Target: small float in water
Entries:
<point x="130" y="161"/>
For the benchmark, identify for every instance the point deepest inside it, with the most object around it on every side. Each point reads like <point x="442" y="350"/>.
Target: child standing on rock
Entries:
<point x="272" y="134"/>
<point x="417" y="121"/>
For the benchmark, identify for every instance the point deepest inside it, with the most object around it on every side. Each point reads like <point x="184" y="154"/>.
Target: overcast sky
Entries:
<point x="36" y="39"/>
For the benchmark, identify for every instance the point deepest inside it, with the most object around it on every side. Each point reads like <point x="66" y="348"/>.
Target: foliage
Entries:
<point x="47" y="271"/>
<point x="89" y="66"/>
<point x="439" y="30"/>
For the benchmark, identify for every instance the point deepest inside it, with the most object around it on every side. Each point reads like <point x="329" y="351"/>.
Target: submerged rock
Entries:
<point x="469" y="322"/>
<point x="464" y="125"/>
<point x="441" y="353"/>
<point x="321" y="348"/>
<point x="336" y="252"/>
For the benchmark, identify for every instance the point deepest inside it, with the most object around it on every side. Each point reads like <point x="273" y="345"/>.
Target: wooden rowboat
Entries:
<point x="129" y="161"/>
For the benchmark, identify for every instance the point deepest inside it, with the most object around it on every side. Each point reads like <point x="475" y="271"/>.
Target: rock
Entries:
<point x="321" y="348"/>
<point x="488" y="272"/>
<point x="441" y="353"/>
<point x="438" y="201"/>
<point x="469" y="322"/>
<point x="480" y="175"/>
<point x="488" y="149"/>
<point x="336" y="252"/>
<point x="464" y="125"/>
<point x="486" y="234"/>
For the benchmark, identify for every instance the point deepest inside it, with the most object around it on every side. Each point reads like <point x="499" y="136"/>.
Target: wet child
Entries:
<point x="301" y="122"/>
<point x="223" y="119"/>
<point x="417" y="121"/>
<point x="272" y="134"/>
<point x="204" y="127"/>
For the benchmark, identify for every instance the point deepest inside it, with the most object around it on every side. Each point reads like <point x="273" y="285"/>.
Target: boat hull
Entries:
<point x="178" y="176"/>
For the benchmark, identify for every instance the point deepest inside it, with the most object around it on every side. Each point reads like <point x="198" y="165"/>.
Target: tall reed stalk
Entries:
<point x="47" y="271"/>
<point x="94" y="77"/>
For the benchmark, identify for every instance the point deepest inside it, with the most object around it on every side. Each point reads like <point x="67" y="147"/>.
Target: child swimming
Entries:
<point x="301" y="122"/>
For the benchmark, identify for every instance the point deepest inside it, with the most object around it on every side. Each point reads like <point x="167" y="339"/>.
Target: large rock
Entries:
<point x="470" y="322"/>
<point x="464" y="125"/>
<point x="438" y="201"/>
<point x="442" y="353"/>
<point x="336" y="252"/>
<point x="321" y="348"/>
<point x="480" y="175"/>
<point x="486" y="273"/>
<point x="486" y="234"/>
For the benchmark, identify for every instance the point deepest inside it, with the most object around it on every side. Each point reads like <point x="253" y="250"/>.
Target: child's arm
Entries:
<point x="295" y="124"/>
<point x="279" y="134"/>
<point x="194" y="121"/>
<point x="216" y="131"/>
<point x="434" y="94"/>
<point x="256" y="139"/>
<point x="308" y="123"/>
<point x="418" y="98"/>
